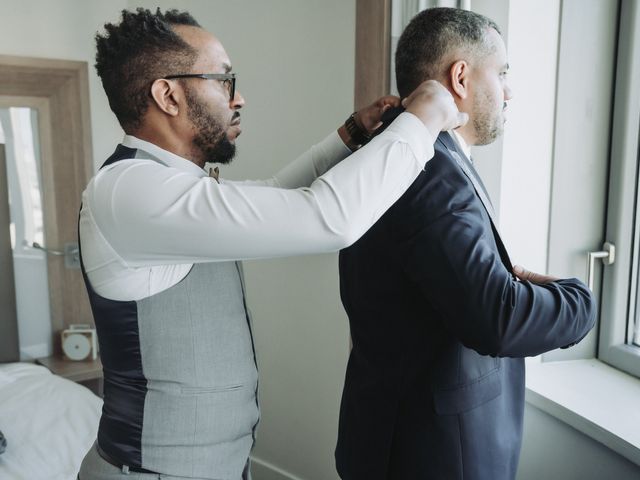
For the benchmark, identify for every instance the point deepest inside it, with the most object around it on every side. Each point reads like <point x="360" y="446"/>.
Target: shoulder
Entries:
<point x="135" y="187"/>
<point x="441" y="186"/>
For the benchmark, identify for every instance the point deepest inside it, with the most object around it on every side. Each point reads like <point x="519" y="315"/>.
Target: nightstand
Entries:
<point x="84" y="372"/>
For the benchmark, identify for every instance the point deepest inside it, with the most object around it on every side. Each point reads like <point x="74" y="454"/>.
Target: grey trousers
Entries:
<point x="94" y="467"/>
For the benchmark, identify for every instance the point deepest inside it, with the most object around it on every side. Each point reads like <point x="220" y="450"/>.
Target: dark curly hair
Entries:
<point x="432" y="34"/>
<point x="133" y="53"/>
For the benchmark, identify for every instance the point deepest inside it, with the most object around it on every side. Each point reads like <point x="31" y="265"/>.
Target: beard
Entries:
<point x="487" y="122"/>
<point x="210" y="139"/>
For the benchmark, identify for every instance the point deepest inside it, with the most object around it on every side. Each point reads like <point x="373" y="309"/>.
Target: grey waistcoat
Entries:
<point x="180" y="375"/>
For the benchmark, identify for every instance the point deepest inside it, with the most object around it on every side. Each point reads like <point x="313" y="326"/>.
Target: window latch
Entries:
<point x="71" y="254"/>
<point x="607" y="255"/>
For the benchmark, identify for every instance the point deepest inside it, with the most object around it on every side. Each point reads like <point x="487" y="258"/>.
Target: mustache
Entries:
<point x="236" y="117"/>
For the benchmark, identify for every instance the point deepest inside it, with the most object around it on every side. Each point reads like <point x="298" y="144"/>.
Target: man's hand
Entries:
<point x="532" y="277"/>
<point x="432" y="103"/>
<point x="369" y="118"/>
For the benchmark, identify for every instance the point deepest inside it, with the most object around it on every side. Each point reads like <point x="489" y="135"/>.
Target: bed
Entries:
<point x="49" y="423"/>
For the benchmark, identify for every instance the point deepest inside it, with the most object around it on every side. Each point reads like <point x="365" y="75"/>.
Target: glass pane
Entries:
<point x="635" y="334"/>
<point x="25" y="197"/>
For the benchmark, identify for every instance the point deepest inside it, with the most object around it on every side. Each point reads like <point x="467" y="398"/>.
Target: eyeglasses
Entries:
<point x="228" y="79"/>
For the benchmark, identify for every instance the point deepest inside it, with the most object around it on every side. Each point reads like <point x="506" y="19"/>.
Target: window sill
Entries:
<point x="592" y="397"/>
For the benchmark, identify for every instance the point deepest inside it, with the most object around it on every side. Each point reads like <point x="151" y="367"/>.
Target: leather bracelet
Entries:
<point x="358" y="135"/>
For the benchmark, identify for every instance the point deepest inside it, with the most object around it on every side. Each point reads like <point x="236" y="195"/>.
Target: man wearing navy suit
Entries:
<point x="440" y="324"/>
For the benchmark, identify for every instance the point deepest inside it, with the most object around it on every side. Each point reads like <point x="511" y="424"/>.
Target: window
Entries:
<point x="620" y="313"/>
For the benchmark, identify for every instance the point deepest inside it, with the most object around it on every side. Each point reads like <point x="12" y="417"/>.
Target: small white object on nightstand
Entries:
<point x="79" y="342"/>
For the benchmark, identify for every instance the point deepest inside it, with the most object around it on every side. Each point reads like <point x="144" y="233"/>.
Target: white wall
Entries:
<point x="64" y="29"/>
<point x="553" y="450"/>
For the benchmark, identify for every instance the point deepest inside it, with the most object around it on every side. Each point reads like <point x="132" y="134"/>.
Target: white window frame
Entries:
<point x="620" y="280"/>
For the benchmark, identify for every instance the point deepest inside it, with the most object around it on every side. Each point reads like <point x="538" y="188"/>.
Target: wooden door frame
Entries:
<point x="59" y="90"/>
<point x="373" y="51"/>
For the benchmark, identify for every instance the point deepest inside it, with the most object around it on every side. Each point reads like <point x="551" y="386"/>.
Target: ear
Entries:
<point x="165" y="95"/>
<point x="459" y="78"/>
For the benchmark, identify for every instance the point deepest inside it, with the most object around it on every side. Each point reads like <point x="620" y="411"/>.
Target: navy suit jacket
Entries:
<point x="434" y="387"/>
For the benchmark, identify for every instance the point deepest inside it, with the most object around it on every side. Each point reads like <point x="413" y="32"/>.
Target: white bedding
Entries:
<point x="49" y="423"/>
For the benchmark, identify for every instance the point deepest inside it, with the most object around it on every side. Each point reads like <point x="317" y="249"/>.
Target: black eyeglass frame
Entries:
<point x="223" y="77"/>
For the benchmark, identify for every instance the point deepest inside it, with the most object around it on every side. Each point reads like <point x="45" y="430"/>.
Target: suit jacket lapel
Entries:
<point x="467" y="167"/>
<point x="470" y="171"/>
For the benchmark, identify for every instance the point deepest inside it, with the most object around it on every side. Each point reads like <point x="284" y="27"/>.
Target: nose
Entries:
<point x="237" y="102"/>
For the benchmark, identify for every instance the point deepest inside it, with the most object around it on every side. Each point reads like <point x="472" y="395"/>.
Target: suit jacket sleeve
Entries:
<point x="447" y="247"/>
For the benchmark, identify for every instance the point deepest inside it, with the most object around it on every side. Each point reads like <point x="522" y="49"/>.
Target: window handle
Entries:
<point x="49" y="251"/>
<point x="607" y="255"/>
<point x="71" y="253"/>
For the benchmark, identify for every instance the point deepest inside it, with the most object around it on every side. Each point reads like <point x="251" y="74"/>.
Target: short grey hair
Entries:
<point x="431" y="36"/>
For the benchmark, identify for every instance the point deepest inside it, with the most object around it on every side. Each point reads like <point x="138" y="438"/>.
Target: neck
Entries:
<point x="467" y="133"/>
<point x="170" y="141"/>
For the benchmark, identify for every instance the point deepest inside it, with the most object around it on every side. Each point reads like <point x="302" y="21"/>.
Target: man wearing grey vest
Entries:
<point x="161" y="241"/>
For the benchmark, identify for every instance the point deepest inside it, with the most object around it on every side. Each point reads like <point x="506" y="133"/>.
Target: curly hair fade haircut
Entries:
<point x="132" y="54"/>
<point x="430" y="36"/>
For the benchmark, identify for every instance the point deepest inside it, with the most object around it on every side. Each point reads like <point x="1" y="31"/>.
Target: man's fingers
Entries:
<point x="460" y="119"/>
<point x="432" y="103"/>
<point x="463" y="118"/>
<point x="386" y="102"/>
<point x="391" y="101"/>
<point x="526" y="275"/>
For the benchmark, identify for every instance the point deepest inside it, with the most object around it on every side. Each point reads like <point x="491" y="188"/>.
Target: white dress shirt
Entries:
<point x="466" y="149"/>
<point x="144" y="224"/>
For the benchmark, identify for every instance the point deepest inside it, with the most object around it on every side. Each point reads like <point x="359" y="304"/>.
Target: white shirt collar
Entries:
<point x="463" y="145"/>
<point x="171" y="159"/>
